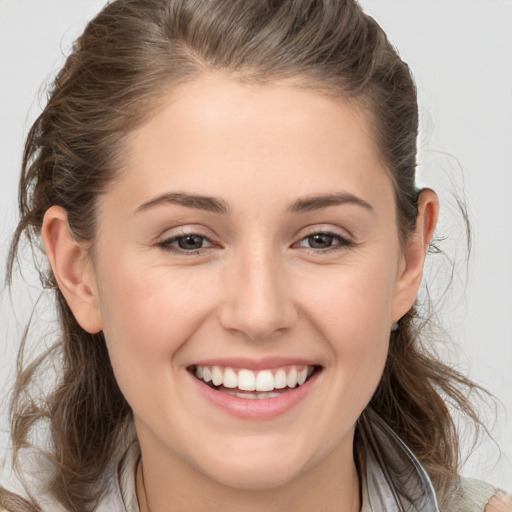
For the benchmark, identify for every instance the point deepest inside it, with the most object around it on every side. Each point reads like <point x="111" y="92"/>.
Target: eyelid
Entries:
<point x="333" y="227"/>
<point x="184" y="229"/>
<point x="165" y="242"/>
<point x="344" y="242"/>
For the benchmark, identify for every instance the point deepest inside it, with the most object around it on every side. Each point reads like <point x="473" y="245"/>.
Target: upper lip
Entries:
<point x="266" y="363"/>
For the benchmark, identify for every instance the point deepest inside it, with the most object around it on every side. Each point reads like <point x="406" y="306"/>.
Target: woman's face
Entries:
<point x="251" y="235"/>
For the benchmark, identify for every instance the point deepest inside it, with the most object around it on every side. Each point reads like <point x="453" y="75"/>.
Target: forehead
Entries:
<point x="218" y="132"/>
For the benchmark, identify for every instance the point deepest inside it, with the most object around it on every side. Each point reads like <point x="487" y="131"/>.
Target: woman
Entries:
<point x="226" y="196"/>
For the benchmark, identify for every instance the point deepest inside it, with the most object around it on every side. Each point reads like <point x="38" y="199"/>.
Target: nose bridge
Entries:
<point x="258" y="303"/>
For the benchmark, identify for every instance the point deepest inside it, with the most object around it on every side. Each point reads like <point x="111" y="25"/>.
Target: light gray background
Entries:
<point x="461" y="54"/>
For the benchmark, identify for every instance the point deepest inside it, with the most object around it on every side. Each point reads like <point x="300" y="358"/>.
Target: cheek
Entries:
<point x="352" y="310"/>
<point x="148" y="315"/>
<point x="354" y="299"/>
<point x="153" y="300"/>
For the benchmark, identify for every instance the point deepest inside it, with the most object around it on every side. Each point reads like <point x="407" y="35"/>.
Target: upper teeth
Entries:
<point x="247" y="380"/>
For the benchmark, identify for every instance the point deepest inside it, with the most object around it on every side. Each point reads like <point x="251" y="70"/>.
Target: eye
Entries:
<point x="324" y="241"/>
<point x="190" y="242"/>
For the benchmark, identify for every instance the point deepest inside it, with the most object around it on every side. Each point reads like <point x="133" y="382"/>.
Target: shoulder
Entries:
<point x="471" y="496"/>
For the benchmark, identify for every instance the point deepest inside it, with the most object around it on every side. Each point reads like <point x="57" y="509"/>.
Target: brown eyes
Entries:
<point x="321" y="241"/>
<point x="324" y="242"/>
<point x="194" y="243"/>
<point x="191" y="242"/>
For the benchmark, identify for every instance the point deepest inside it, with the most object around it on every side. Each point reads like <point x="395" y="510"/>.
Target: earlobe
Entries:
<point x="409" y="280"/>
<point x="72" y="269"/>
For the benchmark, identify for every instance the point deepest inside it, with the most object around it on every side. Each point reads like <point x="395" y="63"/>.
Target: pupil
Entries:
<point x="190" y="242"/>
<point x="320" y="241"/>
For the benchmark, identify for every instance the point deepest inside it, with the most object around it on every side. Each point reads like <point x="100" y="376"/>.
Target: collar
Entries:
<point x="394" y="479"/>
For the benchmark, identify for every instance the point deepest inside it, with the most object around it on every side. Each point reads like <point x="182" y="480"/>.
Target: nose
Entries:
<point x="258" y="300"/>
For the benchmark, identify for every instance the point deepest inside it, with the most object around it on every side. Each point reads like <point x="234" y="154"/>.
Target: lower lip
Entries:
<point x="257" y="408"/>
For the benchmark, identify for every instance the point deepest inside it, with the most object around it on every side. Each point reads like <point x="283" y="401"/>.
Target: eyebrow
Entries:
<point x="209" y="204"/>
<point x="212" y="204"/>
<point x="308" y="204"/>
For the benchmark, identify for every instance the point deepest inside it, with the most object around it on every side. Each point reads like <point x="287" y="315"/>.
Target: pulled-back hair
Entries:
<point x="131" y="55"/>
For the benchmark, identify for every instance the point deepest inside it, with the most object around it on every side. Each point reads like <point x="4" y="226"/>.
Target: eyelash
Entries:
<point x="166" y="244"/>
<point x="342" y="243"/>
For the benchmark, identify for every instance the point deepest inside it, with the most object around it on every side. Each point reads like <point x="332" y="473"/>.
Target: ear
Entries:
<point x="411" y="270"/>
<point x="72" y="269"/>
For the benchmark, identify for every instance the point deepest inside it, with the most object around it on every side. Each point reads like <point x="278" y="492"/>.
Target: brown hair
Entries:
<point x="128" y="56"/>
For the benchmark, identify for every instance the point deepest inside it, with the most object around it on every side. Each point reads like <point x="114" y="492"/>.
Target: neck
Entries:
<point x="330" y="486"/>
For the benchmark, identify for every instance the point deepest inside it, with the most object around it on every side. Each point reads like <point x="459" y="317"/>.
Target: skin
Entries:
<point x="257" y="289"/>
<point x="500" y="502"/>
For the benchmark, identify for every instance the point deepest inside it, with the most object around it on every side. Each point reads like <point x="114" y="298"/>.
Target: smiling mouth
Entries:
<point x="245" y="383"/>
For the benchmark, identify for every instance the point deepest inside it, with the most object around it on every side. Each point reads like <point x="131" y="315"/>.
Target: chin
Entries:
<point x="250" y="476"/>
<point x="256" y="466"/>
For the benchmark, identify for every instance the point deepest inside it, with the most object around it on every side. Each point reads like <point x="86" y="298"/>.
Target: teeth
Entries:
<point x="302" y="376"/>
<point x="280" y="379"/>
<point x="291" y="379"/>
<point x="207" y="374"/>
<point x="265" y="381"/>
<point x="248" y="384"/>
<point x="253" y="396"/>
<point x="217" y="376"/>
<point x="230" y="378"/>
<point x="246" y="380"/>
